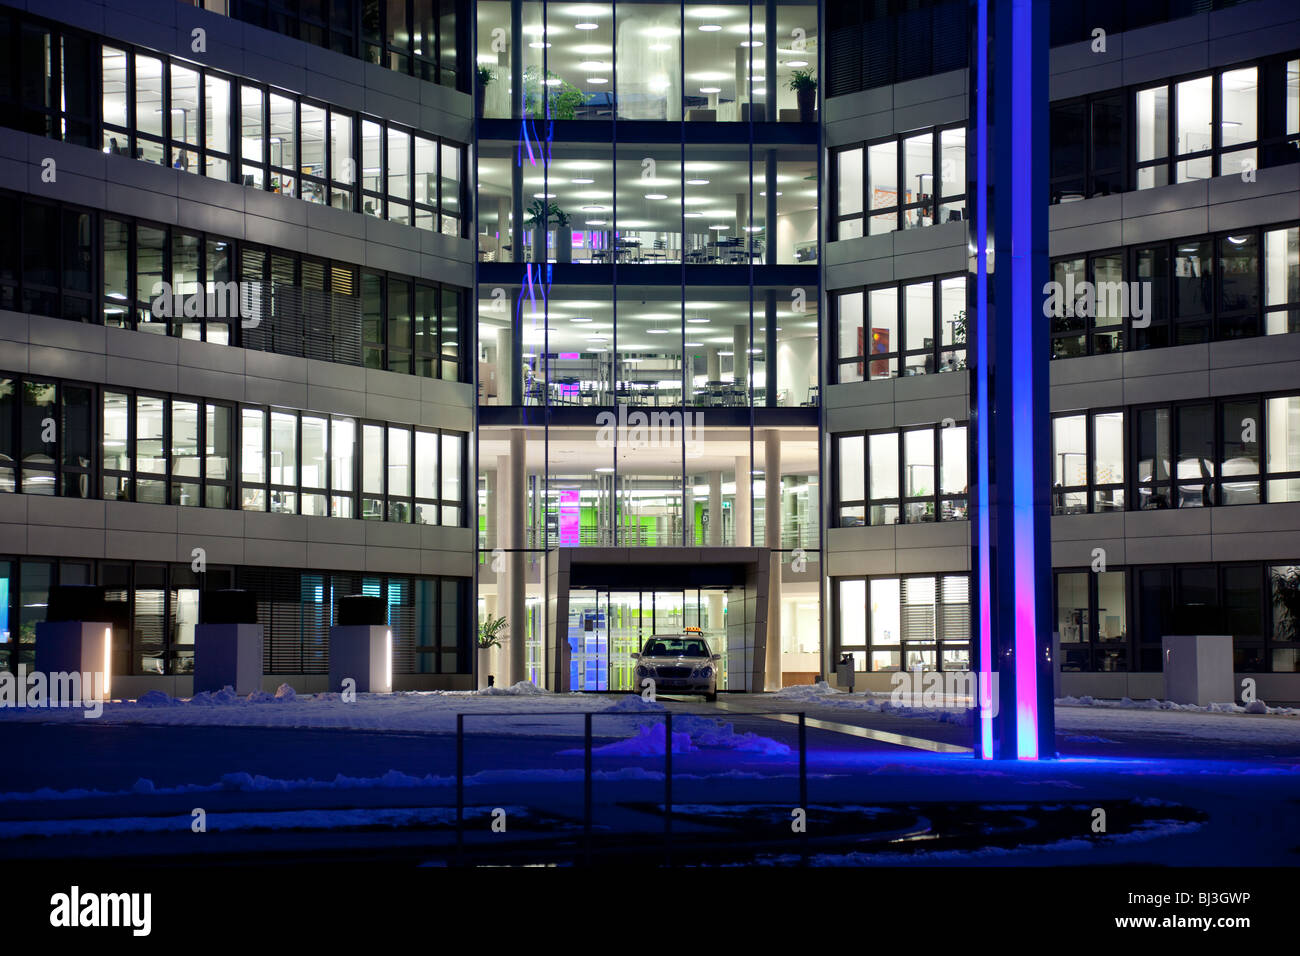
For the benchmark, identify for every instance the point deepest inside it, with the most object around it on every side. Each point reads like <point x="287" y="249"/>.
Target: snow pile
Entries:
<point x="690" y="734"/>
<point x="647" y="742"/>
<point x="220" y="698"/>
<point x="811" y="692"/>
<point x="1128" y="703"/>
<point x="714" y="733"/>
<point x="525" y="688"/>
<point x="285" y="692"/>
<point x="157" y="698"/>
<point x="634" y="704"/>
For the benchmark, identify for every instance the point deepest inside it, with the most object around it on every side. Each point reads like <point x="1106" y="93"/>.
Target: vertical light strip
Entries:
<point x="108" y="663"/>
<point x="985" y="682"/>
<point x="388" y="661"/>
<point x="1023" y="360"/>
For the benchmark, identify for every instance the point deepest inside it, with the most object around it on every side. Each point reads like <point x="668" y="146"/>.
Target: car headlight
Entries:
<point x="705" y="672"/>
<point x="645" y="670"/>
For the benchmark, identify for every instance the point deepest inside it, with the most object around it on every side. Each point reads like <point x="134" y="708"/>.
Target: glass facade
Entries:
<point x="424" y="38"/>
<point x="644" y="194"/>
<point x="716" y="62"/>
<point x="172" y="449"/>
<point x="171" y="281"/>
<point x="154" y="609"/>
<point x="148" y="106"/>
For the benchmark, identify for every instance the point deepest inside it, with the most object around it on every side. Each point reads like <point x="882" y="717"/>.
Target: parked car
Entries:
<point x="679" y="662"/>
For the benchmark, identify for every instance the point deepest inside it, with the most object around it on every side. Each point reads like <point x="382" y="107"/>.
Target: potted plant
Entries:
<point x="562" y="98"/>
<point x="563" y="235"/>
<point x="489" y="636"/>
<point x="485" y="78"/>
<point x="959" y="336"/>
<point x="1286" y="597"/>
<point x="541" y="213"/>
<point x="804" y="84"/>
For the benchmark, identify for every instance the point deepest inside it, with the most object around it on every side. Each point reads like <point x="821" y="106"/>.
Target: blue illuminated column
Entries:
<point x="1011" y="643"/>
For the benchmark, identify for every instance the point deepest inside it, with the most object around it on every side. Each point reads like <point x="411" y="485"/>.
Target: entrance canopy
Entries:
<point x="605" y="601"/>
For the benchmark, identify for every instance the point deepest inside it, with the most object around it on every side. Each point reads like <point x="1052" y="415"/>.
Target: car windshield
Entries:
<point x="676" y="647"/>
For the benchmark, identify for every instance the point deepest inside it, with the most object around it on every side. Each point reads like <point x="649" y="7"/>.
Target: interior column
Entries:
<point x="772" y="540"/>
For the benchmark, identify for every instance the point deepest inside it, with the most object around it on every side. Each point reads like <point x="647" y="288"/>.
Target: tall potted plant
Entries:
<point x="490" y="635"/>
<point x="804" y="84"/>
<point x="563" y="235"/>
<point x="541" y="214"/>
<point x="485" y="78"/>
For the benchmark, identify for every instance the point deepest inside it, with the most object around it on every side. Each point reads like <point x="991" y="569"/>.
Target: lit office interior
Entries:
<point x="651" y="345"/>
<point x="649" y="204"/>
<point x="677" y="487"/>
<point x="649" y="61"/>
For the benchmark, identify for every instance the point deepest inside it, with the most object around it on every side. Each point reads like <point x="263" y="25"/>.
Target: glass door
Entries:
<point x="588" y="640"/>
<point x="625" y="637"/>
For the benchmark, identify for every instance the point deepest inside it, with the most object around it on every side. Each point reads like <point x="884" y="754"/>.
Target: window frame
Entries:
<point x="934" y="202"/>
<point x="938" y="645"/>
<point x="956" y="505"/>
<point x="895" y="357"/>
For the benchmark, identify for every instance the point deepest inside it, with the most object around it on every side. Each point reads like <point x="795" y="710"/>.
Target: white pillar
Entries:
<point x="743" y="510"/>
<point x="714" y="537"/>
<point x="772" y="536"/>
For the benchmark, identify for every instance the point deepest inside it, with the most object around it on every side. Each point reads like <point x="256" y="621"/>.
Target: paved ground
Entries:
<point x="1174" y="796"/>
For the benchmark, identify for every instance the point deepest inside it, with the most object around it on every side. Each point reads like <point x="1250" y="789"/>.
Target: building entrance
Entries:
<point x="606" y="627"/>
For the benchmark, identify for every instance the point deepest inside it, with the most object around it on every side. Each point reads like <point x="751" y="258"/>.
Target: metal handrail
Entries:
<point x="587" y="776"/>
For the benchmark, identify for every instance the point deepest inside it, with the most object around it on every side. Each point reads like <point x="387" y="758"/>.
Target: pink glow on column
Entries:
<point x="1023" y="315"/>
<point x="985" y="636"/>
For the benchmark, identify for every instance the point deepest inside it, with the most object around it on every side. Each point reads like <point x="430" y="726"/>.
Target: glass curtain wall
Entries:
<point x="648" y="345"/>
<point x="647" y="204"/>
<point x="714" y="62"/>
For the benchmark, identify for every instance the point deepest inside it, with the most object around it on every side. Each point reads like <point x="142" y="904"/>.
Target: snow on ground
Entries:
<point x="408" y="712"/>
<point x="525" y="710"/>
<point x="521" y="710"/>
<point x="1086" y="719"/>
<point x="1201" y="726"/>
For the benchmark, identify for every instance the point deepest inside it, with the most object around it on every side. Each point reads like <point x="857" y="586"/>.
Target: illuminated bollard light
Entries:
<point x="77" y="638"/>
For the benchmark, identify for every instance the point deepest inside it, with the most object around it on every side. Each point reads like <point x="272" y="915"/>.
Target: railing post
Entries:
<point x="668" y="788"/>
<point x="803" y="779"/>
<point x="586" y="785"/>
<point x="460" y="788"/>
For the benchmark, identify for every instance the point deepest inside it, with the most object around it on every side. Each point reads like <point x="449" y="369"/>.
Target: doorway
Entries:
<point x="606" y="627"/>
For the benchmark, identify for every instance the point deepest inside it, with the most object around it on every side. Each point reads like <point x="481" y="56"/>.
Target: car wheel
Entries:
<point x="711" y="698"/>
